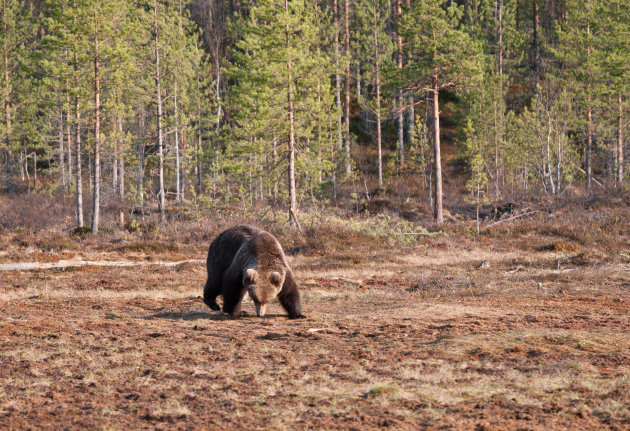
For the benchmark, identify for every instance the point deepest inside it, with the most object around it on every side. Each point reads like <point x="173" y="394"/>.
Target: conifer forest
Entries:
<point x="291" y="102"/>
<point x="427" y="207"/>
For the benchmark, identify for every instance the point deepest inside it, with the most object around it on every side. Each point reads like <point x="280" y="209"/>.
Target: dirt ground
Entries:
<point x="436" y="337"/>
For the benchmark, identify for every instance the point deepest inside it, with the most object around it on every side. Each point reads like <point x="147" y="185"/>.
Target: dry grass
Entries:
<point x="370" y="354"/>
<point x="399" y="334"/>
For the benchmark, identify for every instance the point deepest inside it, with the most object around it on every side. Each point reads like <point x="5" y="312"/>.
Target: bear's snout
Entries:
<point x="260" y="309"/>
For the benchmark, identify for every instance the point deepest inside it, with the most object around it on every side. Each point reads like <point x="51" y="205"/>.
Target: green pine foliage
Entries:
<point x="19" y="89"/>
<point x="375" y="48"/>
<point x="258" y="148"/>
<point x="533" y="95"/>
<point x="437" y="47"/>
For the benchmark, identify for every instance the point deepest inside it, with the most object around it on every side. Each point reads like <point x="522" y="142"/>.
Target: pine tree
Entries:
<point x="478" y="179"/>
<point x="278" y="68"/>
<point x="182" y="58"/>
<point x="376" y="47"/>
<point x="172" y="62"/>
<point x="537" y="139"/>
<point x="99" y="36"/>
<point x="493" y="25"/>
<point x="441" y="56"/>
<point x="616" y="65"/>
<point x="580" y="52"/>
<point x="202" y="102"/>
<point x="16" y="39"/>
<point x="399" y="96"/>
<point x="346" y="112"/>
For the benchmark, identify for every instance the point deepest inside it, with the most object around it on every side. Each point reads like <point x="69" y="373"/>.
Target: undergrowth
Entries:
<point x="46" y="223"/>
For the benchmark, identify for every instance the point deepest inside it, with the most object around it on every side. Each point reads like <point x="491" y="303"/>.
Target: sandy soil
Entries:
<point x="424" y="340"/>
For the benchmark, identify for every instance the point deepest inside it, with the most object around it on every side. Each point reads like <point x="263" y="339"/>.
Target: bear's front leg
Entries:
<point x="232" y="301"/>
<point x="289" y="297"/>
<point x="210" y="292"/>
<point x="233" y="292"/>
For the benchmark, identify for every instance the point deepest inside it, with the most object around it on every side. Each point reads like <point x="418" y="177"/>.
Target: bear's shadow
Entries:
<point x="187" y="315"/>
<point x="198" y="315"/>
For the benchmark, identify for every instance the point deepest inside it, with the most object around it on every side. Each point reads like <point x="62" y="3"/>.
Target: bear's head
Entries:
<point x="263" y="287"/>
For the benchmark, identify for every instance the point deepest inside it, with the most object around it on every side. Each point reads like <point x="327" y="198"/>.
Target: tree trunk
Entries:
<point x="400" y="128"/>
<point x="28" y="176"/>
<point x="589" y="145"/>
<point x="178" y="196"/>
<point x="333" y="174"/>
<point x="319" y="131"/>
<point x="140" y="155"/>
<point x="559" y="165"/>
<point x="115" y="168"/>
<point x="437" y="163"/>
<point x="619" y="140"/>
<point x="399" y="98"/>
<point x="411" y="114"/>
<point x="117" y="146"/>
<point x="97" y="132"/>
<point x="348" y="165"/>
<point x="68" y="137"/>
<point x="411" y="121"/>
<point x="7" y="107"/>
<point x="496" y="139"/>
<point x="378" y="103"/>
<point x="536" y="43"/>
<point x="62" y="151"/>
<point x="198" y="149"/>
<point x="77" y="143"/>
<point x="292" y="193"/>
<point x="121" y="160"/>
<point x="182" y="176"/>
<point x="274" y="143"/>
<point x="161" y="208"/>
<point x="500" y="36"/>
<point x="358" y="79"/>
<point x="498" y="111"/>
<point x="550" y="173"/>
<point x="477" y="212"/>
<point x="140" y="174"/>
<point x="199" y="134"/>
<point x="589" y="118"/>
<point x="337" y="76"/>
<point x="219" y="109"/>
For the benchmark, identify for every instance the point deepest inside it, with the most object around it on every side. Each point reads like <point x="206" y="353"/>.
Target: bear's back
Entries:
<point x="226" y="245"/>
<point x="268" y="251"/>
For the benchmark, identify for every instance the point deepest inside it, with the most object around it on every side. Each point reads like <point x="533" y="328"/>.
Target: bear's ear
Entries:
<point x="251" y="275"/>
<point x="275" y="278"/>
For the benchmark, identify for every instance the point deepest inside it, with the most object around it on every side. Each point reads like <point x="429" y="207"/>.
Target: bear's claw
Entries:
<point x="213" y="306"/>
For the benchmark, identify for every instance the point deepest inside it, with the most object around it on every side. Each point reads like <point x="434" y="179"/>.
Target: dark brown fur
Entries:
<point x="242" y="248"/>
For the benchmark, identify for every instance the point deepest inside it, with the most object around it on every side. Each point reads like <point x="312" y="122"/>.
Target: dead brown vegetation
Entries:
<point x="521" y="327"/>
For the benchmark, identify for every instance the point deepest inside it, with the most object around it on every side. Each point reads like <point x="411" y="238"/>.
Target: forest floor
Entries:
<point x="447" y="332"/>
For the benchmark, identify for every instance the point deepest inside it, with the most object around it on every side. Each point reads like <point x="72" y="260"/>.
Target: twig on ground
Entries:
<point x="592" y="177"/>
<point x="509" y="219"/>
<point x="26" y="266"/>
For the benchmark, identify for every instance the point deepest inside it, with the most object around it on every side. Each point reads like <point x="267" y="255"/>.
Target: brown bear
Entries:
<point x="248" y="259"/>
